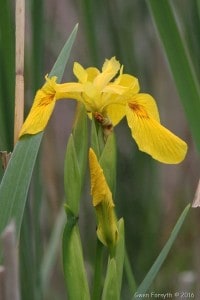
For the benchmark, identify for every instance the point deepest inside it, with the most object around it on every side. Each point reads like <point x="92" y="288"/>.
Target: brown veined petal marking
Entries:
<point x="150" y="136"/>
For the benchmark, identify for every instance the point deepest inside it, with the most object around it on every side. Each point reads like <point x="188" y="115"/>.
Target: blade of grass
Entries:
<point x="59" y="66"/>
<point x="120" y="253"/>
<point x="27" y="258"/>
<point x="76" y="160"/>
<point x="51" y="250"/>
<point x="110" y="288"/>
<point x="7" y="75"/>
<point x="73" y="262"/>
<point x="146" y="283"/>
<point x="38" y="42"/>
<point x="30" y="246"/>
<point x="97" y="279"/>
<point x="16" y="180"/>
<point x="108" y="162"/>
<point x="89" y="19"/>
<point x="129" y="274"/>
<point x="179" y="61"/>
<point x="74" y="175"/>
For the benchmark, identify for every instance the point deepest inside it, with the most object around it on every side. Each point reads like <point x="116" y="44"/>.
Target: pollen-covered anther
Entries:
<point x="99" y="117"/>
<point x="104" y="121"/>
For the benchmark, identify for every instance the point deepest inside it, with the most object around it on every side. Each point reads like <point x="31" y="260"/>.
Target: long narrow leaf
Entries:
<point x="120" y="253"/>
<point x="144" y="286"/>
<point x="108" y="162"/>
<point x="179" y="61"/>
<point x="76" y="160"/>
<point x="111" y="289"/>
<point x="73" y="263"/>
<point x="74" y="175"/>
<point x="16" y="180"/>
<point x="51" y="250"/>
<point x="7" y="75"/>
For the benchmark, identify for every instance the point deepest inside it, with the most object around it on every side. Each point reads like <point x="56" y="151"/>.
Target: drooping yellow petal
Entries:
<point x="107" y="231"/>
<point x="150" y="136"/>
<point x="42" y="108"/>
<point x="144" y="105"/>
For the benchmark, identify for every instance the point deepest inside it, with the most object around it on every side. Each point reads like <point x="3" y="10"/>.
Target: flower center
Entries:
<point x="104" y="121"/>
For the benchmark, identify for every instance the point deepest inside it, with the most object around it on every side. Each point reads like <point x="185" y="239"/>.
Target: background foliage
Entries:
<point x="149" y="196"/>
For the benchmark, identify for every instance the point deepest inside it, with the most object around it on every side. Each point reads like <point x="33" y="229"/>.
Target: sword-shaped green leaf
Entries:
<point x="75" y="160"/>
<point x="15" y="183"/>
<point x="179" y="62"/>
<point x="111" y="289"/>
<point x="146" y="283"/>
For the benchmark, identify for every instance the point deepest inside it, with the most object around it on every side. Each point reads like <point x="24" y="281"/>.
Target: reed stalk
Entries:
<point x="19" y="67"/>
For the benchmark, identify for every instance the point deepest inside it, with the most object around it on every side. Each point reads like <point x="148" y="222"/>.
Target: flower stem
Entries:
<point x="129" y="274"/>
<point x="97" y="284"/>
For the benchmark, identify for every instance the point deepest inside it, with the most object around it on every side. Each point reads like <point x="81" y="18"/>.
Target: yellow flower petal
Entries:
<point x="92" y="73"/>
<point x="42" y="108"/>
<point x="144" y="105"/>
<point x="107" y="231"/>
<point x="111" y="66"/>
<point x="90" y="91"/>
<point x="109" y="70"/>
<point x="115" y="112"/>
<point x="129" y="82"/>
<point x="98" y="93"/>
<point x="70" y="90"/>
<point x="99" y="188"/>
<point x="80" y="73"/>
<point x="150" y="136"/>
<point x="116" y="96"/>
<point x="114" y="89"/>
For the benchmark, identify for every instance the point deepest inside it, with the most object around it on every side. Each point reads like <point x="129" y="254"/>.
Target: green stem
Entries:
<point x="129" y="274"/>
<point x="97" y="284"/>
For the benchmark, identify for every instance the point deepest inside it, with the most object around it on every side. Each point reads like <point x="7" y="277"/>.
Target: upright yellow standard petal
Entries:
<point x="129" y="82"/>
<point x="116" y="96"/>
<point x="150" y="136"/>
<point x="107" y="231"/>
<point x="109" y="70"/>
<point x="42" y="108"/>
<point x="104" y="92"/>
<point x="92" y="73"/>
<point x="80" y="73"/>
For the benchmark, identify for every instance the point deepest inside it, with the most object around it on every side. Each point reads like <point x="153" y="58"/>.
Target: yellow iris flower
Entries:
<point x="107" y="230"/>
<point x="110" y="95"/>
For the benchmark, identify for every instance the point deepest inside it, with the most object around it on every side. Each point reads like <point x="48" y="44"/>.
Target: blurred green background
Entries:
<point x="149" y="196"/>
